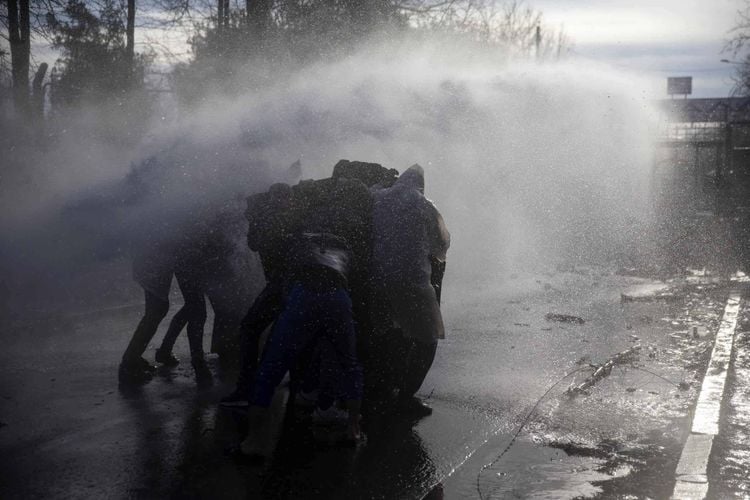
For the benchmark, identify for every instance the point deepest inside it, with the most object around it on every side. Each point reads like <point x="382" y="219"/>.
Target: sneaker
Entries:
<point x="238" y="399"/>
<point x="252" y="448"/>
<point x="236" y="453"/>
<point x="202" y="373"/>
<point x="413" y="407"/>
<point x="331" y="417"/>
<point x="144" y="365"/>
<point x="306" y="399"/>
<point x="166" y="358"/>
<point x="134" y="372"/>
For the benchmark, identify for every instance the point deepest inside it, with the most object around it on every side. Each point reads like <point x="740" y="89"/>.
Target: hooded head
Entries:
<point x="413" y="178"/>
<point x="371" y="174"/>
<point x="267" y="214"/>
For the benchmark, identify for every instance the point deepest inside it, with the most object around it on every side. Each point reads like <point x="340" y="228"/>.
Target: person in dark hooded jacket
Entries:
<point x="270" y="218"/>
<point x="410" y="242"/>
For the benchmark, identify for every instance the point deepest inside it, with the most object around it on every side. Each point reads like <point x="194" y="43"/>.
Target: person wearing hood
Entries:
<point x="410" y="242"/>
<point x="269" y="224"/>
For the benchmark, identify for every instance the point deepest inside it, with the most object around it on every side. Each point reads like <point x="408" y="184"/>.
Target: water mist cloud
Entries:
<point x="528" y="162"/>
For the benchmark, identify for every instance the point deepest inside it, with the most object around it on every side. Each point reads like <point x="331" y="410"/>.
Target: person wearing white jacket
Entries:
<point x="410" y="242"/>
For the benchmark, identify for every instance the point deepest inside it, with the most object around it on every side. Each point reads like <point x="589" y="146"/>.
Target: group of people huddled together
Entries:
<point x="353" y="267"/>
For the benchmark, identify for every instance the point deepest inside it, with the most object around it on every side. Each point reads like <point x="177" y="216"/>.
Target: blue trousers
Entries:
<point x="312" y="316"/>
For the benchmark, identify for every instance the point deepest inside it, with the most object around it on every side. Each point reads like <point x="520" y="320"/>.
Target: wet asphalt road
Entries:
<point x="69" y="432"/>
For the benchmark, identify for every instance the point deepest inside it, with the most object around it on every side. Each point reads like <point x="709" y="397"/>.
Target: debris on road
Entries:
<point x="666" y="296"/>
<point x="584" y="360"/>
<point x="564" y="318"/>
<point x="628" y="356"/>
<point x="630" y="271"/>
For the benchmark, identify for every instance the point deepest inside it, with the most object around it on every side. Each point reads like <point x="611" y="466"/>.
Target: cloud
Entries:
<point x="653" y="38"/>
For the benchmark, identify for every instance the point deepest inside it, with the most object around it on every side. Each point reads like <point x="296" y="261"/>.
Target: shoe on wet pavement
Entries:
<point x="202" y="372"/>
<point x="306" y="400"/>
<point x="238" y="399"/>
<point x="330" y="417"/>
<point x="166" y="358"/>
<point x="145" y="365"/>
<point x="251" y="448"/>
<point x="137" y="371"/>
<point x="413" y="407"/>
<point x="236" y="453"/>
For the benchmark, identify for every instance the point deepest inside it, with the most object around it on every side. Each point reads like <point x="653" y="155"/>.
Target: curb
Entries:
<point x="692" y="470"/>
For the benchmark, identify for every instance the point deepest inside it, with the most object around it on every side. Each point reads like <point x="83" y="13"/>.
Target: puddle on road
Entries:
<point x="539" y="472"/>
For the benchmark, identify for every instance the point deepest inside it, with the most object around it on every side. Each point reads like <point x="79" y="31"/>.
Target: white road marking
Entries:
<point x="692" y="474"/>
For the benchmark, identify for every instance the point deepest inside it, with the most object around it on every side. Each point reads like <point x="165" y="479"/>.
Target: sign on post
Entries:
<point x="679" y="85"/>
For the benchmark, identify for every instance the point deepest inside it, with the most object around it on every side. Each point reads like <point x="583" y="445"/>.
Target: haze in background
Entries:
<point x="654" y="38"/>
<point x="531" y="164"/>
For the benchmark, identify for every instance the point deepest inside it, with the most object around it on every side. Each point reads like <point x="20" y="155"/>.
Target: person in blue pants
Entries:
<point x="317" y="308"/>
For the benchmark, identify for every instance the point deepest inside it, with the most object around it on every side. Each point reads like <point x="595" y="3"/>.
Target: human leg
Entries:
<point x="164" y="352"/>
<point x="195" y="306"/>
<point x="155" y="310"/>
<point x="377" y="348"/>
<point x="264" y="310"/>
<point x="289" y="335"/>
<point x="285" y="341"/>
<point x="340" y="371"/>
<point x="133" y="368"/>
<point x="418" y="362"/>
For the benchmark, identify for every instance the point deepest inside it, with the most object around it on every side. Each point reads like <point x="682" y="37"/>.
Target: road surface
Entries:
<point x="68" y="431"/>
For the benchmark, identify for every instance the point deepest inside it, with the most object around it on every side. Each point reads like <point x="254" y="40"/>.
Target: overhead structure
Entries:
<point x="703" y="160"/>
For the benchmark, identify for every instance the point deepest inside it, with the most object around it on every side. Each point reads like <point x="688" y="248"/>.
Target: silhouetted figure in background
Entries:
<point x="410" y="242"/>
<point x="192" y="314"/>
<point x="209" y="258"/>
<point x="153" y="266"/>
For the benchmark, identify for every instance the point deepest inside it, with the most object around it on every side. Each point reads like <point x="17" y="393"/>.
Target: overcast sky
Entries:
<point x="655" y="38"/>
<point x="659" y="38"/>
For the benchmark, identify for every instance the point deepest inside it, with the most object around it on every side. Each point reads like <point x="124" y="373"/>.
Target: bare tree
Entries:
<point x="19" y="37"/>
<point x="737" y="45"/>
<point x="259" y="16"/>
<point x="130" y="32"/>
<point x="511" y="23"/>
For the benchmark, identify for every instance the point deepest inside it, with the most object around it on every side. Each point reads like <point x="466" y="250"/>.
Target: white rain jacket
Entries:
<point x="408" y="231"/>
